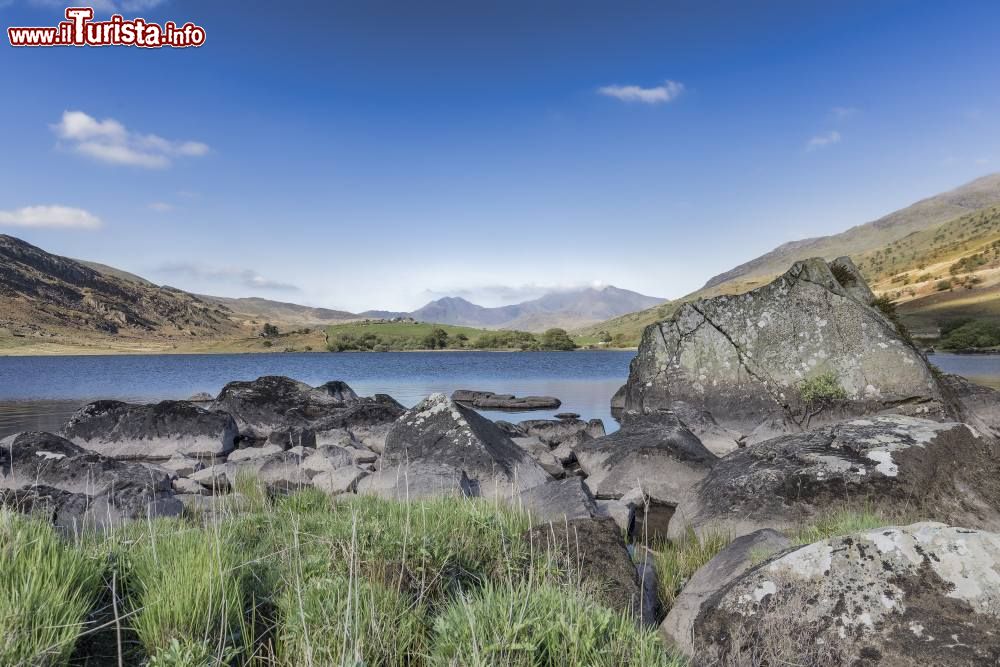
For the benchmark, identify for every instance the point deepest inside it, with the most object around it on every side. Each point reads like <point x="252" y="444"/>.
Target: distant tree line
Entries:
<point x="440" y="339"/>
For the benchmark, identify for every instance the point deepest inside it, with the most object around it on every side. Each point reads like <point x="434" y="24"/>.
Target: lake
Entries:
<point x="40" y="393"/>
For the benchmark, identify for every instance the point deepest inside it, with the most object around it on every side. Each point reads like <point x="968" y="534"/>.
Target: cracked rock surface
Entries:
<point x="743" y="358"/>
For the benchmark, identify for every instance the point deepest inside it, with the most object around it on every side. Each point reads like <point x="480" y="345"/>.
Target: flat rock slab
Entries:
<point x="939" y="469"/>
<point x="558" y="501"/>
<point x="925" y="594"/>
<point x="489" y="400"/>
<point x="152" y="432"/>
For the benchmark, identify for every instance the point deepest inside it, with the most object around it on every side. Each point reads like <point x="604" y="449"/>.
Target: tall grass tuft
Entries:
<point x="676" y="561"/>
<point x="47" y="587"/>
<point x="340" y="621"/>
<point x="845" y="520"/>
<point x="525" y="625"/>
<point x="187" y="594"/>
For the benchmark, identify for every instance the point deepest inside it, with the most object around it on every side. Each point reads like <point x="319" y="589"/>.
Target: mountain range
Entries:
<point x="53" y="303"/>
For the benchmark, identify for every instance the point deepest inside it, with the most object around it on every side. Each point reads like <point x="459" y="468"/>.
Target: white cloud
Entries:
<point x="161" y="207"/>
<point x="230" y="275"/>
<point x="844" y="112"/>
<point x="823" y="140"/>
<point x="109" y="141"/>
<point x="60" y="217"/>
<point x="667" y="92"/>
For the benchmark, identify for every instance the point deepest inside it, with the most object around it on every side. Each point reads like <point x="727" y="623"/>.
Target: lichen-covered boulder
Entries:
<point x="728" y="565"/>
<point x="925" y="594"/>
<point x="78" y="489"/>
<point x="750" y="358"/>
<point x="441" y="432"/>
<point x="943" y="470"/>
<point x="158" y="431"/>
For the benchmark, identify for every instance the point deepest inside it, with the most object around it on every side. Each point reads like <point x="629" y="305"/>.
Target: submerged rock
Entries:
<point x="887" y="462"/>
<point x="749" y="359"/>
<point x="157" y="431"/>
<point x="924" y="594"/>
<point x="490" y="401"/>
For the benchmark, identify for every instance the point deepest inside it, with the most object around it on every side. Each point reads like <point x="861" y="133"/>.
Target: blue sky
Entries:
<point x="377" y="154"/>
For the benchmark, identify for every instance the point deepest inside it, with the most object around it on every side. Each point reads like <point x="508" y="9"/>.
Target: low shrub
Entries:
<point x="821" y="388"/>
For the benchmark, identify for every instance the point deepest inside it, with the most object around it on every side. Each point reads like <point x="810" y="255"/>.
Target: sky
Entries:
<point x="377" y="154"/>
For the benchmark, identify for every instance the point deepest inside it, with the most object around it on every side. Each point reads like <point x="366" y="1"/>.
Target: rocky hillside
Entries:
<point x="45" y="296"/>
<point x="256" y="309"/>
<point x="905" y="255"/>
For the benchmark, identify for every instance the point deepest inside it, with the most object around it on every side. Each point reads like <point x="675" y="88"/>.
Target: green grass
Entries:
<point x="676" y="561"/>
<point x="47" y="588"/>
<point x="844" y="521"/>
<point x="539" y="626"/>
<point x="306" y="580"/>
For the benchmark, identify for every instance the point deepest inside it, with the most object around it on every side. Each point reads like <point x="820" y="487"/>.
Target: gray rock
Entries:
<point x="623" y="514"/>
<point x="280" y="472"/>
<point x="728" y="565"/>
<point x="416" y="480"/>
<point x="924" y="594"/>
<point x="296" y="410"/>
<point x="649" y="584"/>
<point x="490" y="401"/>
<point x="361" y="455"/>
<point x="327" y="459"/>
<point x="554" y="432"/>
<point x="654" y="452"/>
<point x="558" y="501"/>
<point x="76" y="488"/>
<point x="592" y="552"/>
<point x="183" y="485"/>
<point x="182" y="466"/>
<point x="977" y="406"/>
<point x="942" y="470"/>
<point x="342" y="480"/>
<point x="441" y="432"/>
<point x="743" y="358"/>
<point x="152" y="432"/>
<point x="248" y="453"/>
<point x="542" y="454"/>
<point x="718" y="440"/>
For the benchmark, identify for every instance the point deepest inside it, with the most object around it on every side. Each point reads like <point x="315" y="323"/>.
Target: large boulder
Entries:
<point x="593" y="554"/>
<point x="728" y="565"/>
<point x="558" y="501"/>
<point x="942" y="470"/>
<point x="440" y="432"/>
<point x="653" y="452"/>
<point x="289" y="408"/>
<point x="976" y="405"/>
<point x="925" y="594"/>
<point x="808" y="348"/>
<point x="79" y="489"/>
<point x="157" y="431"/>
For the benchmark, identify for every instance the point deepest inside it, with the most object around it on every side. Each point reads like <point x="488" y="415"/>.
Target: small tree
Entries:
<point x="557" y="339"/>
<point x="604" y="337"/>
<point x="269" y="331"/>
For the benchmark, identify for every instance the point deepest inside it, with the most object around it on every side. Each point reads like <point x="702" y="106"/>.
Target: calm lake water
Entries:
<point x="40" y="393"/>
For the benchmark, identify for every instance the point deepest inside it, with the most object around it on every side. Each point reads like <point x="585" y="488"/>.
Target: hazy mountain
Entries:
<point x="565" y="309"/>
